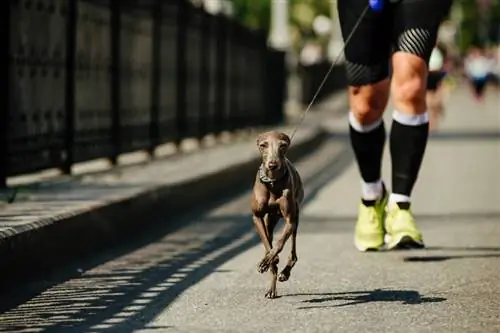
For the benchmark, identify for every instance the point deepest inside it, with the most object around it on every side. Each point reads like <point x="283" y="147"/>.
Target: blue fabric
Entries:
<point x="376" y="5"/>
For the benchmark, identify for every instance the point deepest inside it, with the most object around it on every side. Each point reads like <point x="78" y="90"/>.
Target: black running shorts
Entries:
<point x="407" y="25"/>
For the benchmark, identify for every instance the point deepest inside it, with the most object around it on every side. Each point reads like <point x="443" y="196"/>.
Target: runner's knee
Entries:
<point x="409" y="83"/>
<point x="368" y="102"/>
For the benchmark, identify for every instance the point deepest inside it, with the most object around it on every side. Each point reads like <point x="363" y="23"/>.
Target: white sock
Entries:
<point x="410" y="120"/>
<point x="394" y="198"/>
<point x="363" y="128"/>
<point x="371" y="191"/>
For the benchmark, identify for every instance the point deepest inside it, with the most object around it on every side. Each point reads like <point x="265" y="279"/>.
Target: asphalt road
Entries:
<point x="203" y="276"/>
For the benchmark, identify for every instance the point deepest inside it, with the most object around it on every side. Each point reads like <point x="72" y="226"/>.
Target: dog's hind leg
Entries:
<point x="292" y="259"/>
<point x="270" y="222"/>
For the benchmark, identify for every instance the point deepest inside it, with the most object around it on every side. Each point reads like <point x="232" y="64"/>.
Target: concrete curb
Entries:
<point x="42" y="250"/>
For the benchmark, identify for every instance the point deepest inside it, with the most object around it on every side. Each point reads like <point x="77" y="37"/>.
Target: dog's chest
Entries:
<point x="276" y="197"/>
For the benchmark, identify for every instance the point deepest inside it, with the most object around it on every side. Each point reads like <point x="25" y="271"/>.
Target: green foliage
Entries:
<point x="471" y="22"/>
<point x="257" y="14"/>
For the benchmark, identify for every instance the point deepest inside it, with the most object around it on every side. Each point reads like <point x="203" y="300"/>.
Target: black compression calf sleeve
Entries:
<point x="368" y="147"/>
<point x="407" y="147"/>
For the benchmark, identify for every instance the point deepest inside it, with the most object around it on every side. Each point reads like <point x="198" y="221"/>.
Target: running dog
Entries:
<point x="278" y="192"/>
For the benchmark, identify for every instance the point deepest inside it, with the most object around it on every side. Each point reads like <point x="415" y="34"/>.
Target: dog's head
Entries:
<point x="273" y="147"/>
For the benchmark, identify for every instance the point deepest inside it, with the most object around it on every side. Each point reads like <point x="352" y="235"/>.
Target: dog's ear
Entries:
<point x="285" y="138"/>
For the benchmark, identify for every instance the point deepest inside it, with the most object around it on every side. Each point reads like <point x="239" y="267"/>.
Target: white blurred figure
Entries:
<point x="478" y="69"/>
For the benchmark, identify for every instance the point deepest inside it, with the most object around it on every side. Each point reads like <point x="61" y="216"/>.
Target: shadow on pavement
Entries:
<point x="448" y="257"/>
<point x="444" y="257"/>
<point x="147" y="277"/>
<point x="464" y="248"/>
<point x="341" y="299"/>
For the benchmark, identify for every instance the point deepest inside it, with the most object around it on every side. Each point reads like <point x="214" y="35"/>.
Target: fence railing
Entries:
<point x="87" y="79"/>
<point x="313" y="75"/>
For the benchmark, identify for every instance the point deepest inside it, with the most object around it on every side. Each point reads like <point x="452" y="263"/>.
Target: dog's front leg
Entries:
<point x="271" y="220"/>
<point x="271" y="256"/>
<point x="258" y="221"/>
<point x="288" y="228"/>
<point x="292" y="259"/>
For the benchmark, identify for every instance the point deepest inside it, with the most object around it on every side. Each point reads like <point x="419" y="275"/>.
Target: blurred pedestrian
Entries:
<point x="478" y="69"/>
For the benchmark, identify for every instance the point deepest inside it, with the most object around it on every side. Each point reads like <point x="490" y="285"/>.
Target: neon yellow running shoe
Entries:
<point x="369" y="230"/>
<point x="402" y="232"/>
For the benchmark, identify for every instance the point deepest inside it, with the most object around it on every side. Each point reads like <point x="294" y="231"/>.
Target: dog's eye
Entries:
<point x="263" y="145"/>
<point x="283" y="147"/>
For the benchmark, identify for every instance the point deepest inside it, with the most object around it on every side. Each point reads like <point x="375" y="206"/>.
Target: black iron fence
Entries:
<point x="313" y="75"/>
<point x="86" y="79"/>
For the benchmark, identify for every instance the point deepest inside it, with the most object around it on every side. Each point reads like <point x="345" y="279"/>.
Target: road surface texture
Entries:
<point x="203" y="276"/>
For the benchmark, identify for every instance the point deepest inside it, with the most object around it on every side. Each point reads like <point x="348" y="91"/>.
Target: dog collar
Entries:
<point x="268" y="180"/>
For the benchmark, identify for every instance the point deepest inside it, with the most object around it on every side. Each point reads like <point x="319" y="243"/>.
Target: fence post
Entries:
<point x="154" y="119"/>
<point x="276" y="85"/>
<point x="220" y="90"/>
<point x="115" y="80"/>
<point x="232" y="48"/>
<point x="264" y="78"/>
<point x="4" y="91"/>
<point x="181" y="116"/>
<point x="69" y="92"/>
<point x="204" y="106"/>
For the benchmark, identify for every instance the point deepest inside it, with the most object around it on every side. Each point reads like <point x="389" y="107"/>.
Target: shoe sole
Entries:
<point x="405" y="242"/>
<point x="368" y="249"/>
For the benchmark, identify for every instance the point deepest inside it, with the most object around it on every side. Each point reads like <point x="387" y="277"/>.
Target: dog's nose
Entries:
<point x="272" y="165"/>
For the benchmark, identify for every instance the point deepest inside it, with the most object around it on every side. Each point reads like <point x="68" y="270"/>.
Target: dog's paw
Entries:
<point x="265" y="263"/>
<point x="285" y="274"/>
<point x="271" y="293"/>
<point x="262" y="267"/>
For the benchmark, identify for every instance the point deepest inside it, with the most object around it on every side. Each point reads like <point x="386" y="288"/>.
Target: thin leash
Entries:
<point x="328" y="73"/>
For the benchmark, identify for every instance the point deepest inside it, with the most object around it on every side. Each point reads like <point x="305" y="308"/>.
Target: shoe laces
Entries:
<point x="371" y="214"/>
<point x="401" y="218"/>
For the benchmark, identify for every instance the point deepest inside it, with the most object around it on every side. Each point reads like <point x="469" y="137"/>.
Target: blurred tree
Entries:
<point x="253" y="13"/>
<point x="257" y="13"/>
<point x="476" y="26"/>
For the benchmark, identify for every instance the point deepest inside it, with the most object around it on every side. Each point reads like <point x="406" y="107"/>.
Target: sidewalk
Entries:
<point x="78" y="214"/>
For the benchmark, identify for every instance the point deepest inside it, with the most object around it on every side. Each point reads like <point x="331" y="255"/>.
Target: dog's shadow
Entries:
<point x="331" y="300"/>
